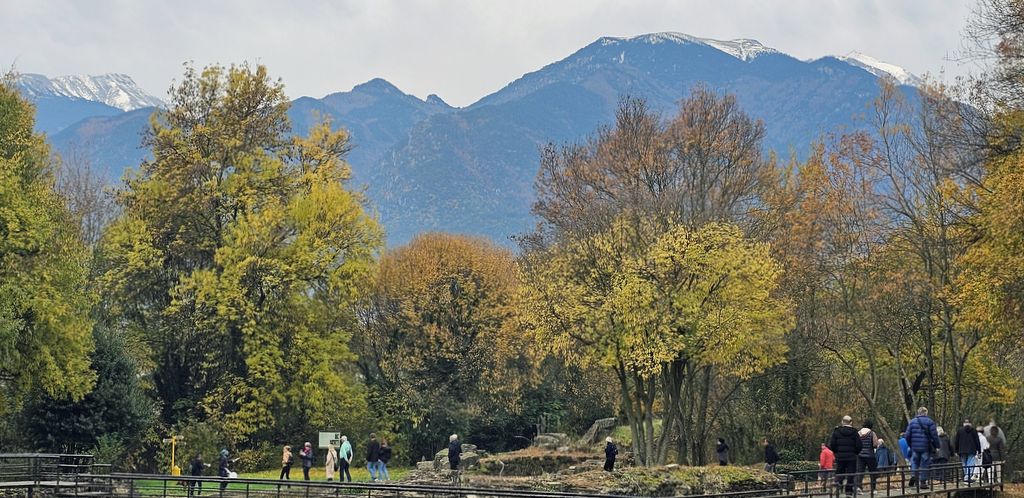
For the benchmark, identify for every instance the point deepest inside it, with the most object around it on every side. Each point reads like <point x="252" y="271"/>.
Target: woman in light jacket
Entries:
<point x="332" y="462"/>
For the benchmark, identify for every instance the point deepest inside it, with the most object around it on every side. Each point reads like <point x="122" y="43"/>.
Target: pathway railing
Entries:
<point x="898" y="481"/>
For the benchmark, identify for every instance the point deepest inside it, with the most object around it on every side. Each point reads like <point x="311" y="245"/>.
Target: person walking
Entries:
<point x="287" y="459"/>
<point x="923" y="438"/>
<point x="866" y="458"/>
<point x="771" y="456"/>
<point x="997" y="446"/>
<point x="610" y="452"/>
<point x="943" y="455"/>
<point x="454" y="452"/>
<point x="223" y="471"/>
<point x="884" y="457"/>
<point x="722" y="451"/>
<point x="985" y="456"/>
<point x="306" y="455"/>
<point x="904" y="447"/>
<point x="385" y="457"/>
<point x="826" y="462"/>
<point x="331" y="465"/>
<point x="195" y="469"/>
<point x="968" y="445"/>
<point x="846" y="444"/>
<point x="373" y="456"/>
<point x="345" y="460"/>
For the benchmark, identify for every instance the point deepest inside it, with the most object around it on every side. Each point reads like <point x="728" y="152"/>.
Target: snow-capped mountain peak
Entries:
<point x="743" y="49"/>
<point x="115" y="90"/>
<point x="879" y="68"/>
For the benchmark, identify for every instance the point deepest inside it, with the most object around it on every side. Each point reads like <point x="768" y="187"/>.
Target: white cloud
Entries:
<point x="459" y="49"/>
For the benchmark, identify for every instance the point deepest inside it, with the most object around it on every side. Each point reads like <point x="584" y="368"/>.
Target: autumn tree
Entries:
<point x="440" y="344"/>
<point x="238" y="251"/>
<point x="45" y="329"/>
<point x="635" y="193"/>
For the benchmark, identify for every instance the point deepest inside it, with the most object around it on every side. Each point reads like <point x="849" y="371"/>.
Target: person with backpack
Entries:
<point x="287" y="459"/>
<point x="345" y="460"/>
<point x="866" y="457"/>
<point x="968" y="445"/>
<point x="923" y="438"/>
<point x="306" y="455"/>
<point x="610" y="452"/>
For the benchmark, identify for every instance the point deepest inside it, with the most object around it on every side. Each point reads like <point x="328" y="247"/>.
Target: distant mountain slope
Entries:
<point x="115" y="90"/>
<point x="429" y="166"/>
<point x="473" y="170"/>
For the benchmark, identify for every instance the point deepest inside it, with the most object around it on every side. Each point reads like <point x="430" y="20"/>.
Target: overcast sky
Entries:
<point x="458" y="49"/>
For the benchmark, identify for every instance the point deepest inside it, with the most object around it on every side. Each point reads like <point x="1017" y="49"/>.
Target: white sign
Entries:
<point x="326" y="438"/>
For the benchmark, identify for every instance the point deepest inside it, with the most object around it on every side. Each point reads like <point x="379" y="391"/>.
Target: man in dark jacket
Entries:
<point x="923" y="438"/>
<point x="372" y="457"/>
<point x="610" y="451"/>
<point x="223" y="471"/>
<point x="195" y="469"/>
<point x="771" y="456"/>
<point x="845" y="443"/>
<point x="968" y="445"/>
<point x="454" y="452"/>
<point x="307" y="456"/>
<point x="866" y="462"/>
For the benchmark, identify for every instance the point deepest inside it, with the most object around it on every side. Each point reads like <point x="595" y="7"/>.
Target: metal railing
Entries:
<point x="898" y="481"/>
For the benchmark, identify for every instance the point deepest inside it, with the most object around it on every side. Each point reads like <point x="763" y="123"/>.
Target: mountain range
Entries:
<point x="429" y="166"/>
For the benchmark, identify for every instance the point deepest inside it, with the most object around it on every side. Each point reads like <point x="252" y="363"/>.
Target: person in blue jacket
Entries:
<point x="923" y="439"/>
<point x="904" y="447"/>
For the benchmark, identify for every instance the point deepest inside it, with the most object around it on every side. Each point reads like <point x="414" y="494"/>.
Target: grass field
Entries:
<point x="359" y="474"/>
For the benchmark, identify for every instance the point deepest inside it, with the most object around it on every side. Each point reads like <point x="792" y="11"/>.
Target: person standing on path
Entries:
<point x="610" y="452"/>
<point x="826" y="461"/>
<point x="771" y="456"/>
<point x="454" y="452"/>
<point x="923" y="438"/>
<point x="968" y="445"/>
<point x="287" y="459"/>
<point x="722" y="451"/>
<point x="331" y="464"/>
<point x="306" y="454"/>
<point x="884" y="458"/>
<point x="195" y="469"/>
<point x="985" y="457"/>
<point x="345" y="460"/>
<point x="845" y="443"/>
<point x="997" y="446"/>
<point x="385" y="457"/>
<point x="373" y="457"/>
<point x="223" y="471"/>
<point x="866" y="458"/>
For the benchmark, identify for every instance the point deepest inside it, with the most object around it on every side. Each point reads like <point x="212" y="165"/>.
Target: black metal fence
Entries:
<point x="899" y="481"/>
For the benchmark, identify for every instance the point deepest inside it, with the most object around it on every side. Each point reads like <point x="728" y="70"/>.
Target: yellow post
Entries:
<point x="175" y="470"/>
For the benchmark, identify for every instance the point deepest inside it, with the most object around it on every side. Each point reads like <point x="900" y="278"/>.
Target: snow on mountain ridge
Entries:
<point x="116" y="90"/>
<point x="879" y="68"/>
<point x="744" y="49"/>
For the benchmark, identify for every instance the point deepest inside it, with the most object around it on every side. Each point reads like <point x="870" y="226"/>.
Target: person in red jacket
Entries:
<point x="826" y="462"/>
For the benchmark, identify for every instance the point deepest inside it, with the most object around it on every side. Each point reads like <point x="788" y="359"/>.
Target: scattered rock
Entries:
<point x="551" y="440"/>
<point x="599" y="430"/>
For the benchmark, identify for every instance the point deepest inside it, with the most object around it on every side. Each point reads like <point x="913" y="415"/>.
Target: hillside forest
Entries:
<point x="235" y="289"/>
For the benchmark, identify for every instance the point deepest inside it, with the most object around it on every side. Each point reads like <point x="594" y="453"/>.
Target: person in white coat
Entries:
<point x="332" y="462"/>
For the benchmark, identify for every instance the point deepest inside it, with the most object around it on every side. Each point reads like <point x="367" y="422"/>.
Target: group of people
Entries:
<point x="339" y="460"/>
<point x="855" y="453"/>
<point x="196" y="466"/>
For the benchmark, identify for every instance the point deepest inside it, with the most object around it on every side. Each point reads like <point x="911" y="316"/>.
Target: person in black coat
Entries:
<point x="771" y="456"/>
<point x="968" y="445"/>
<point x="373" y="458"/>
<point x="223" y="471"/>
<point x="610" y="452"/>
<point x="722" y="452"/>
<point x="846" y="444"/>
<point x="454" y="452"/>
<point x="195" y="469"/>
<point x="307" y="456"/>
